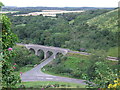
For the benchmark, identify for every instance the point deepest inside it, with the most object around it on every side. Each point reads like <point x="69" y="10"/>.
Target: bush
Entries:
<point x="24" y="57"/>
<point x="8" y="41"/>
<point x="99" y="71"/>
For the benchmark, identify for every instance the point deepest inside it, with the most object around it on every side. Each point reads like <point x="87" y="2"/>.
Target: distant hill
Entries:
<point x="13" y="8"/>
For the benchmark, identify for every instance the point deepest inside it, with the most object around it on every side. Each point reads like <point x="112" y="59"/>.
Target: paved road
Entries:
<point x="37" y="75"/>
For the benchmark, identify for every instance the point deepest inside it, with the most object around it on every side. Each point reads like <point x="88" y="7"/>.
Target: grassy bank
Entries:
<point x="24" y="69"/>
<point x="49" y="84"/>
<point x="113" y="52"/>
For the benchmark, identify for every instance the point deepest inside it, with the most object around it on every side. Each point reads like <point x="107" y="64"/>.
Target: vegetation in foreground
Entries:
<point x="8" y="40"/>
<point x="49" y="84"/>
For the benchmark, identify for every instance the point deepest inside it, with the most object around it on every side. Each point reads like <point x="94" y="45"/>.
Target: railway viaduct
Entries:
<point x="40" y="48"/>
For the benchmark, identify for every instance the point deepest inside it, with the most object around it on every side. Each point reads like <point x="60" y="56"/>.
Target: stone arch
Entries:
<point x="48" y="54"/>
<point x="40" y="53"/>
<point x="59" y="54"/>
<point x="32" y="51"/>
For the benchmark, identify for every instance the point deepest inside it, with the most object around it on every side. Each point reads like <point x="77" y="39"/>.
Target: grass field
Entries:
<point x="113" y="52"/>
<point x="49" y="84"/>
<point x="23" y="69"/>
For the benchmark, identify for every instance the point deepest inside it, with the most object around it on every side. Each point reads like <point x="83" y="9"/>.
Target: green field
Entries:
<point x="23" y="69"/>
<point x="52" y="84"/>
<point x="113" y="52"/>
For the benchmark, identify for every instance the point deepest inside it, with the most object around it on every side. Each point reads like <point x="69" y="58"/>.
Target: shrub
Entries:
<point x="8" y="41"/>
<point x="99" y="72"/>
<point x="24" y="57"/>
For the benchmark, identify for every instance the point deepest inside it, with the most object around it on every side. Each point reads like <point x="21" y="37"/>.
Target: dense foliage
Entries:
<point x="73" y="31"/>
<point x="24" y="57"/>
<point x="7" y="53"/>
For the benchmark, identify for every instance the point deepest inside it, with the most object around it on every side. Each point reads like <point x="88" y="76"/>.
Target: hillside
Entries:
<point x="106" y="21"/>
<point x="70" y="31"/>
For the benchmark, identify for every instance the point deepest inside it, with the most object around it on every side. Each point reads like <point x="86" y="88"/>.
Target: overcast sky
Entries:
<point x="62" y="3"/>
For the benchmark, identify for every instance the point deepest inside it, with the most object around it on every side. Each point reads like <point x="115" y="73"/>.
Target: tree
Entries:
<point x="1" y="4"/>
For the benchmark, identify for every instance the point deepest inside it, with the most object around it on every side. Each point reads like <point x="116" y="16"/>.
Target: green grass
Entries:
<point x="73" y="61"/>
<point x="23" y="69"/>
<point x="41" y="84"/>
<point x="52" y="73"/>
<point x="113" y="52"/>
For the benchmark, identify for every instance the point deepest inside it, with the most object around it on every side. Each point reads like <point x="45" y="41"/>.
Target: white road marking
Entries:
<point x="49" y="78"/>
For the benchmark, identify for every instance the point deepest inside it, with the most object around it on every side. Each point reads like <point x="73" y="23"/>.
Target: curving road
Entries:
<point x="36" y="74"/>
